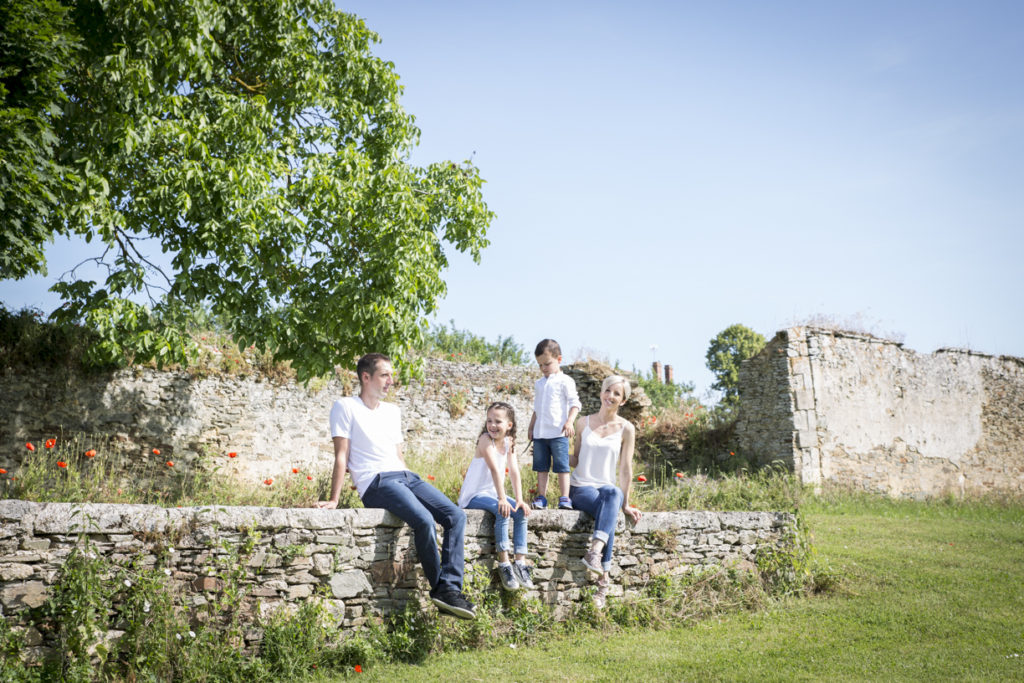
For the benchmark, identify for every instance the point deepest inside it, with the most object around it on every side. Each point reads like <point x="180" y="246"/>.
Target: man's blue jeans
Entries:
<point x="419" y="505"/>
<point x="603" y="505"/>
<point x="490" y="503"/>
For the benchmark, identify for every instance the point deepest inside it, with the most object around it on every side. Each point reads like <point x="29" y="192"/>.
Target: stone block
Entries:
<point x="349" y="584"/>
<point x="18" y="596"/>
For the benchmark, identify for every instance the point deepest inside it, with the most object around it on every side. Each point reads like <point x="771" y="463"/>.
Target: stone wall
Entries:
<point x="275" y="426"/>
<point x="850" y="409"/>
<point x="363" y="559"/>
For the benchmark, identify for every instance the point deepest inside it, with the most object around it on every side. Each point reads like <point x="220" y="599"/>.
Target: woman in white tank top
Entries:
<point x="600" y="483"/>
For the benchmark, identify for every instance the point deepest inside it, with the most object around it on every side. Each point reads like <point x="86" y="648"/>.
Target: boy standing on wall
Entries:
<point x="367" y="437"/>
<point x="555" y="406"/>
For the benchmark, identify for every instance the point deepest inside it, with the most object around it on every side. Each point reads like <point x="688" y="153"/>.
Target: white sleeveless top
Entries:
<point x="599" y="458"/>
<point x="478" y="481"/>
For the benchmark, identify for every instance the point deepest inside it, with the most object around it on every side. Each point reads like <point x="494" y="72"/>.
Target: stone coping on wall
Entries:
<point x="362" y="561"/>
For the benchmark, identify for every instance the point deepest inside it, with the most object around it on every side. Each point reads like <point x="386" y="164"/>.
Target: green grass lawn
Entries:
<point x="929" y="591"/>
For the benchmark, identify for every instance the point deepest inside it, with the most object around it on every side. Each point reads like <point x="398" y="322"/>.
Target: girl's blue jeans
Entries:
<point x="603" y="505"/>
<point x="490" y="504"/>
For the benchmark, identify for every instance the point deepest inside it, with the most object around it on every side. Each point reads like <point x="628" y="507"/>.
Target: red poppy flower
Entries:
<point x="506" y="470"/>
<point x="3" y="471"/>
<point x="170" y="463"/>
<point x="731" y="453"/>
<point x="359" y="668"/>
<point x="156" y="451"/>
<point x="653" y="419"/>
<point x="268" y="482"/>
<point x="309" y="477"/>
<point x="641" y="479"/>
<point x="679" y="475"/>
<point x="295" y="470"/>
<point x="30" y="446"/>
<point x="232" y="454"/>
<point x="50" y="443"/>
<point x="61" y="464"/>
<point x="352" y="488"/>
<point x="430" y="477"/>
<point x="90" y="453"/>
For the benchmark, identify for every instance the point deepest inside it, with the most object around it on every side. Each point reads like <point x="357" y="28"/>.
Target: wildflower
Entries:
<point x="127" y="583"/>
<point x="178" y="636"/>
<point x="641" y="479"/>
<point x="3" y="471"/>
<point x="30" y="446"/>
<point x="731" y="453"/>
<point x="295" y="470"/>
<point x="167" y="571"/>
<point x="232" y="454"/>
<point x="50" y="443"/>
<point x="352" y="487"/>
<point x="191" y="634"/>
<point x="653" y="419"/>
<point x="268" y="482"/>
<point x="359" y="668"/>
<point x="430" y="477"/>
<point x="61" y="464"/>
<point x="309" y="477"/>
<point x="679" y="475"/>
<point x="171" y="549"/>
<point x="156" y="451"/>
<point x="90" y="453"/>
<point x="170" y="463"/>
<point x="506" y="470"/>
<point x="146" y="606"/>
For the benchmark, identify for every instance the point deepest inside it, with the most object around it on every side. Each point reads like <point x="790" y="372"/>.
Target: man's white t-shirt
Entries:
<point x="374" y="437"/>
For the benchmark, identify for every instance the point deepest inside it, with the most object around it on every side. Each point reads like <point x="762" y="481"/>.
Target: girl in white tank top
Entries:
<point x="484" y="489"/>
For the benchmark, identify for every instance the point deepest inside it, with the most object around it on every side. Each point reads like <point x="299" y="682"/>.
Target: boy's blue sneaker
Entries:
<point x="564" y="503"/>
<point x="540" y="503"/>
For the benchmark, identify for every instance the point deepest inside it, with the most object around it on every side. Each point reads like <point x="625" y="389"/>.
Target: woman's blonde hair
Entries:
<point x="612" y="380"/>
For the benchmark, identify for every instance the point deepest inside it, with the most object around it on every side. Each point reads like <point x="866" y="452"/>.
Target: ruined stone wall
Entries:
<point x="362" y="559"/>
<point x="272" y="426"/>
<point x="868" y="413"/>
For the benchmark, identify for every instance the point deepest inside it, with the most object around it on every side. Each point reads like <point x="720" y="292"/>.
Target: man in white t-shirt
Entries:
<point x="367" y="436"/>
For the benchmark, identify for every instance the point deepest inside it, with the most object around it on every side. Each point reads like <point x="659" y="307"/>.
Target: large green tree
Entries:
<point x="726" y="351"/>
<point x="262" y="146"/>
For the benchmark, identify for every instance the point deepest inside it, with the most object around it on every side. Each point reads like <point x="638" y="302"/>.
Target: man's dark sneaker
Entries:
<point x="455" y="604"/>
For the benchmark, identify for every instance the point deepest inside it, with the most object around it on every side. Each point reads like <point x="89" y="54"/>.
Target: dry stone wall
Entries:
<point x="362" y="560"/>
<point x="853" y="410"/>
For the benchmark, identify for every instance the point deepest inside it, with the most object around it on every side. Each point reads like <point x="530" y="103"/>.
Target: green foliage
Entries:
<point x="27" y="340"/>
<point x="664" y="396"/>
<point x="733" y="344"/>
<point x="260" y="143"/>
<point x="462" y="345"/>
<point x="37" y="42"/>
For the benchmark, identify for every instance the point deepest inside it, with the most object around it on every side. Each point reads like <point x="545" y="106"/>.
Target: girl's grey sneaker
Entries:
<point x="508" y="578"/>
<point x="601" y="594"/>
<point x="522" y="573"/>
<point x="592" y="561"/>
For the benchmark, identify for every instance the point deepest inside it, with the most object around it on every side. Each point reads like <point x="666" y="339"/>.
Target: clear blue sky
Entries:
<point x="661" y="170"/>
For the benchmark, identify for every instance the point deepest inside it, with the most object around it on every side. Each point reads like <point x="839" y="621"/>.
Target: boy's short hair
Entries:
<point x="612" y="380"/>
<point x="368" y="364"/>
<point x="548" y="346"/>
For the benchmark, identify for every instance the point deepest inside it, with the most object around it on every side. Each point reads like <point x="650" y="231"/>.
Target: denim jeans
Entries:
<point x="490" y="504"/>
<point x="419" y="505"/>
<point x="603" y="505"/>
<point x="551" y="455"/>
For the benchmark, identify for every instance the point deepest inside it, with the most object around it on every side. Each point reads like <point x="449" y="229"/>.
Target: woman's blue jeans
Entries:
<point x="603" y="505"/>
<point x="419" y="505"/>
<point x="490" y="504"/>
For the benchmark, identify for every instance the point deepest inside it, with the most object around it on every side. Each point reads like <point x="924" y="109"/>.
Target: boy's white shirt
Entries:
<point x="374" y="437"/>
<point x="553" y="397"/>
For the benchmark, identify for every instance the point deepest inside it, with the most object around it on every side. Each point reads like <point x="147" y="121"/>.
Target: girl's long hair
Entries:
<point x="510" y="413"/>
